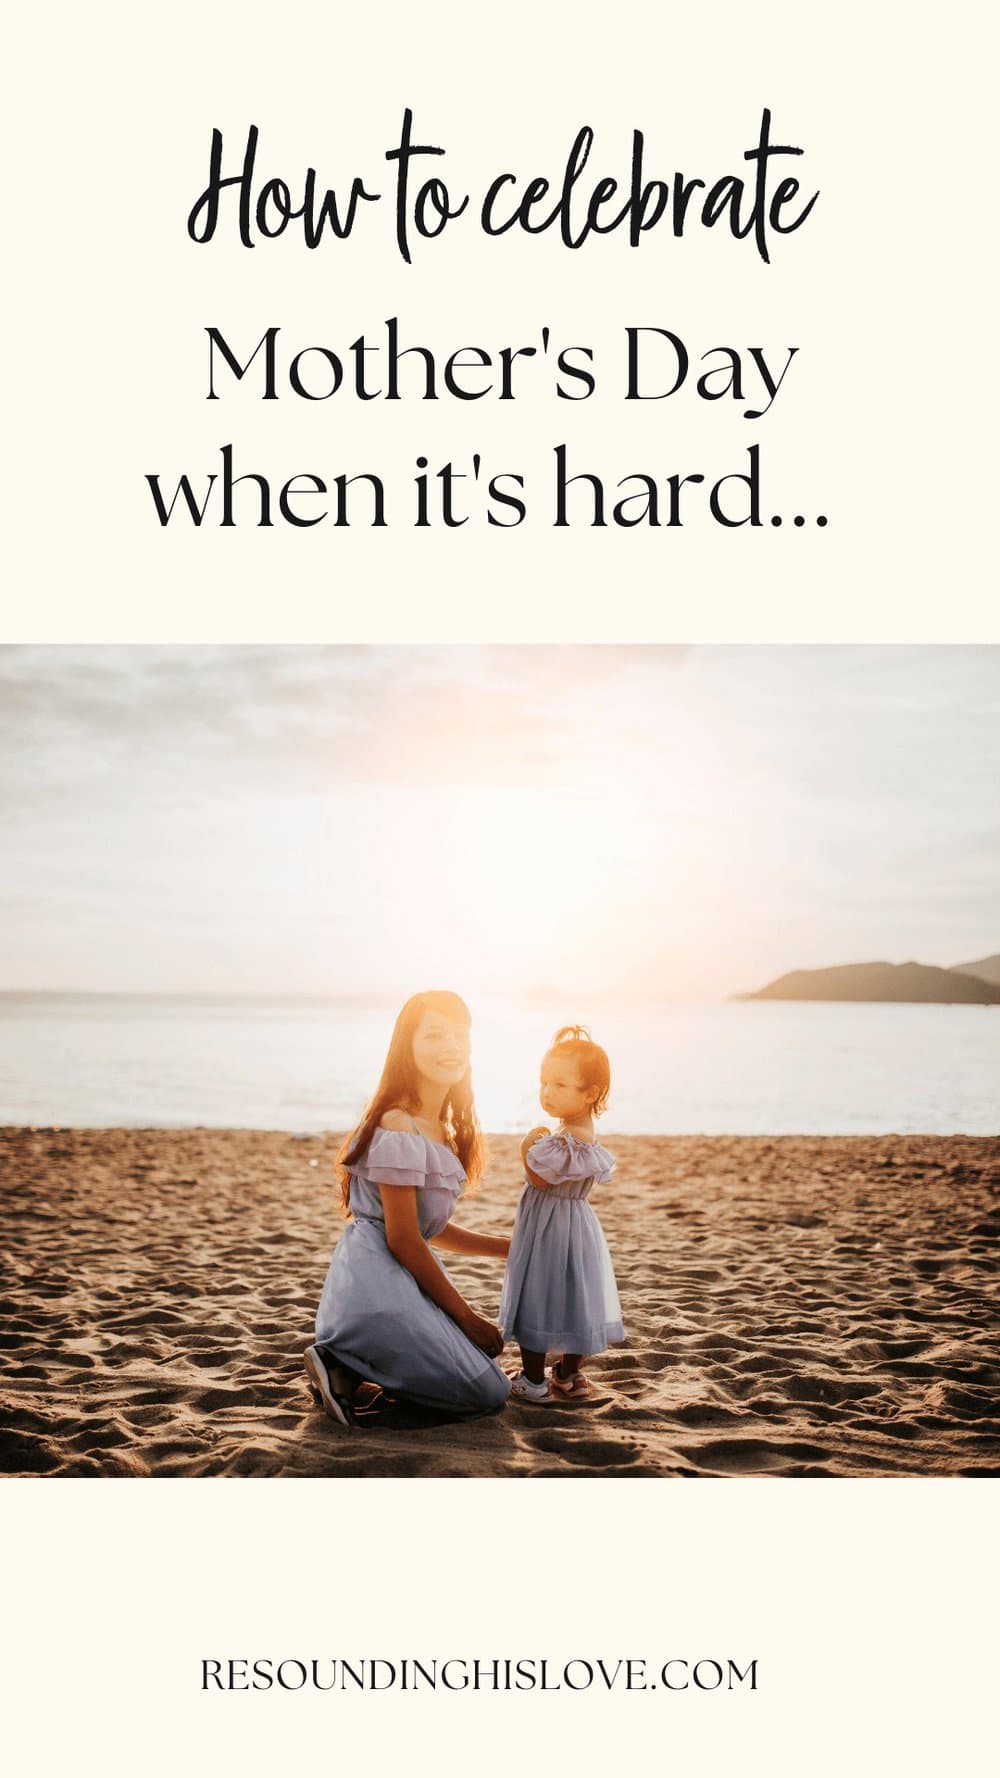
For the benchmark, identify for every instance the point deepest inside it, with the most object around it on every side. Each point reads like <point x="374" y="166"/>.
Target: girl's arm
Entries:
<point x="456" y="1240"/>
<point x="529" y="1141"/>
<point x="407" y="1244"/>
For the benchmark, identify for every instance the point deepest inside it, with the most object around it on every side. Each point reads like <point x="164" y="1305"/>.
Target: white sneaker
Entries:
<point x="525" y="1390"/>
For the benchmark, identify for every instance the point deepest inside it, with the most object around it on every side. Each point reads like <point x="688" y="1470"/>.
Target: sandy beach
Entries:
<point x="795" y="1306"/>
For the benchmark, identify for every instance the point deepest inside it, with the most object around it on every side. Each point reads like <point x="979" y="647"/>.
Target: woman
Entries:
<point x="389" y="1313"/>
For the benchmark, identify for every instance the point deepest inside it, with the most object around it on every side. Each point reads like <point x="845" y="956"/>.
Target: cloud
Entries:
<point x="757" y="797"/>
<point x="298" y="718"/>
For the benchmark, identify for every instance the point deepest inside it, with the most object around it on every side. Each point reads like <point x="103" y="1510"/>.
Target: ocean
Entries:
<point x="737" y="1068"/>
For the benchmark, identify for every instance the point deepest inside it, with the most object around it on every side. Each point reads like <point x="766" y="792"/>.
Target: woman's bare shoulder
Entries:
<point x="397" y="1119"/>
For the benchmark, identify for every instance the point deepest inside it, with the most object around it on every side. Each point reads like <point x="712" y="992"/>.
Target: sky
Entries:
<point x="636" y="822"/>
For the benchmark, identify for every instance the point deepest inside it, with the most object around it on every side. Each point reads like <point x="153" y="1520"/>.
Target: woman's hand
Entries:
<point x="407" y="1245"/>
<point x="482" y="1333"/>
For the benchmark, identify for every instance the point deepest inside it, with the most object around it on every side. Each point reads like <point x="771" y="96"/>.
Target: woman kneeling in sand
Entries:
<point x="389" y="1313"/>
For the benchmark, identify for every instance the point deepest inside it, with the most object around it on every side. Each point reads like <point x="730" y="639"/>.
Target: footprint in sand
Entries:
<point x="588" y="1451"/>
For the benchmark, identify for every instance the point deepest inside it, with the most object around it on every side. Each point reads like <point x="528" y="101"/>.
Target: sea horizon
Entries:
<point x="308" y="1063"/>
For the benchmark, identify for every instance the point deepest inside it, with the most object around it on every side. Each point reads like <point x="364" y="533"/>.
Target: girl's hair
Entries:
<point x="595" y="1069"/>
<point x="400" y="1086"/>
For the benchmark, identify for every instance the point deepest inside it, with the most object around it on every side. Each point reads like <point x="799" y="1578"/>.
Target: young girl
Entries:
<point x="559" y="1292"/>
<point x="389" y="1313"/>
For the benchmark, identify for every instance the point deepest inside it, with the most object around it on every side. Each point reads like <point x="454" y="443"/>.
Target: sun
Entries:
<point x="543" y="888"/>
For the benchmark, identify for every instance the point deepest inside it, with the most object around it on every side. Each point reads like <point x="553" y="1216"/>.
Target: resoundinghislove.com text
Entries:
<point x="493" y="1674"/>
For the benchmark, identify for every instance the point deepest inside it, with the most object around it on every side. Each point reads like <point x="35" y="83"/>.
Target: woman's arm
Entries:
<point x="456" y="1240"/>
<point x="407" y="1244"/>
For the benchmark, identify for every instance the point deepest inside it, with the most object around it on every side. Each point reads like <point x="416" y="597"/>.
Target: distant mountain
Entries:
<point x="881" y="981"/>
<point x="987" y="969"/>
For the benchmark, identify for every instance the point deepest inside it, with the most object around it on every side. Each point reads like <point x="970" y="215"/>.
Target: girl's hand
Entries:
<point x="535" y="1134"/>
<point x="482" y="1333"/>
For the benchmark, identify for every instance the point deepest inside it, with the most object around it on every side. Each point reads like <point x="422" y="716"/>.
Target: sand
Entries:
<point x="795" y="1306"/>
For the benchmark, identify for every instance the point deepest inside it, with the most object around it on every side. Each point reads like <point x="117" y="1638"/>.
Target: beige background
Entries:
<point x="865" y="1603"/>
<point x="884" y="423"/>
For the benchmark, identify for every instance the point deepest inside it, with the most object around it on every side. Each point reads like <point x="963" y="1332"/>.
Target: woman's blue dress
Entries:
<point x="373" y="1316"/>
<point x="559" y="1290"/>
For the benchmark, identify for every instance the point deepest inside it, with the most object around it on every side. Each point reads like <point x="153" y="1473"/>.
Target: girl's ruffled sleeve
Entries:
<point x="402" y="1157"/>
<point x="559" y="1159"/>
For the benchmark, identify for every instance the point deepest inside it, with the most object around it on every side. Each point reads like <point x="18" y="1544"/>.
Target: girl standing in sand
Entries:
<point x="389" y="1313"/>
<point x="559" y="1291"/>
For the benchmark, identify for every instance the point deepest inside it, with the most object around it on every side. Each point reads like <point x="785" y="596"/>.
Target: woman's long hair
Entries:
<point x="400" y="1086"/>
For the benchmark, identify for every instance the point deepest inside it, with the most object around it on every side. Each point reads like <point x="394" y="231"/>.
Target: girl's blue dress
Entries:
<point x="559" y="1290"/>
<point x="373" y="1316"/>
